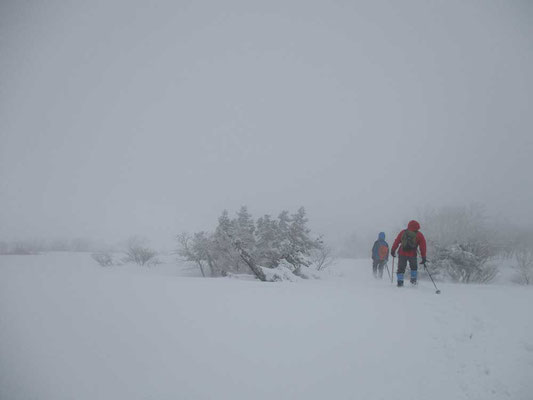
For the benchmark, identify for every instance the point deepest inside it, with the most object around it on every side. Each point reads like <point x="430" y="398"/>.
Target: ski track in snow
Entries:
<point x="72" y="330"/>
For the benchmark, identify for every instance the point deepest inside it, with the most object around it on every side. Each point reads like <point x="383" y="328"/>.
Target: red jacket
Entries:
<point x="420" y="241"/>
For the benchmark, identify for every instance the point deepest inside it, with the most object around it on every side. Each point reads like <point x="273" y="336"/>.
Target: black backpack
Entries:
<point x="409" y="240"/>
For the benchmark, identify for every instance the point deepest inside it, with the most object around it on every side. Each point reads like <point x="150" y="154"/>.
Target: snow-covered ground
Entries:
<point x="70" y="329"/>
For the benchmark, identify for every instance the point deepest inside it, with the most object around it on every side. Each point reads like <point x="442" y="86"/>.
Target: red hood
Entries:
<point x="413" y="226"/>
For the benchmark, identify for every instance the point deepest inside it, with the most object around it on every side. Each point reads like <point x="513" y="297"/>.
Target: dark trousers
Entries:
<point x="377" y="266"/>
<point x="402" y="263"/>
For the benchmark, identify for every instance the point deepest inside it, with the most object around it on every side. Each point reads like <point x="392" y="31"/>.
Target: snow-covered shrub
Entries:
<point x="103" y="259"/>
<point x="240" y="244"/>
<point x="460" y="244"/>
<point x="138" y="252"/>
<point x="322" y="257"/>
<point x="466" y="263"/>
<point x="279" y="273"/>
<point x="524" y="273"/>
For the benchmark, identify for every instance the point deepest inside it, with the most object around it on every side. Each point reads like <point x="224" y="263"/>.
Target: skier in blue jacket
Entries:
<point x="380" y="255"/>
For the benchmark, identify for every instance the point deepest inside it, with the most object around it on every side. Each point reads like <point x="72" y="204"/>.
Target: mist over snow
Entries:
<point x="120" y="118"/>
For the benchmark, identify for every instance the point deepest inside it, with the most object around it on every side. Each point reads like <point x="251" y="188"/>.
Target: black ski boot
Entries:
<point x="400" y="284"/>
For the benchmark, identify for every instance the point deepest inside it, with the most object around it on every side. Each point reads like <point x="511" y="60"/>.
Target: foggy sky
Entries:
<point x="121" y="118"/>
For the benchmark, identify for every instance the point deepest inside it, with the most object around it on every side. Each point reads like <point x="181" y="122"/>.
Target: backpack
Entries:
<point x="409" y="240"/>
<point x="383" y="252"/>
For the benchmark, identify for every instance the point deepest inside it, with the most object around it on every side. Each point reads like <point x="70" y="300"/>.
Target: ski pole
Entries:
<point x="388" y="272"/>
<point x="392" y="274"/>
<point x="430" y="277"/>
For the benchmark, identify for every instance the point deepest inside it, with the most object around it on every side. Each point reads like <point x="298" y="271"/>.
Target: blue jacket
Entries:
<point x="381" y="241"/>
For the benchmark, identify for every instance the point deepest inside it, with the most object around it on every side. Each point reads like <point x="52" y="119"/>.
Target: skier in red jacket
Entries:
<point x="410" y="239"/>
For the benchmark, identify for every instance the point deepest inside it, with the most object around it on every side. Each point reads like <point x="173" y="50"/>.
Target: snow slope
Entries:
<point x="70" y="329"/>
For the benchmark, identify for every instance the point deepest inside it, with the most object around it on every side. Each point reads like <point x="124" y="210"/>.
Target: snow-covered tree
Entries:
<point x="298" y="243"/>
<point x="240" y="245"/>
<point x="196" y="249"/>
<point x="236" y="243"/>
<point x="267" y="243"/>
<point x="244" y="229"/>
<point x="291" y="240"/>
<point x="225" y="257"/>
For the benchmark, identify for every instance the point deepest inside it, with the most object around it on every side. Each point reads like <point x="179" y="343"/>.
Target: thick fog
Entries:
<point x="134" y="117"/>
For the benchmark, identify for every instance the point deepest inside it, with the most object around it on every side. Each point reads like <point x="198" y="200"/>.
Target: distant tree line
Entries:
<point x="36" y="246"/>
<point x="135" y="250"/>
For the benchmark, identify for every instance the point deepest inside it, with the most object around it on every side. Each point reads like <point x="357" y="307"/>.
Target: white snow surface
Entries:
<point x="70" y="329"/>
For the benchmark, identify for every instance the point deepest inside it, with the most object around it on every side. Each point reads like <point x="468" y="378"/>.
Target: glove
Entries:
<point x="423" y="261"/>
<point x="393" y="253"/>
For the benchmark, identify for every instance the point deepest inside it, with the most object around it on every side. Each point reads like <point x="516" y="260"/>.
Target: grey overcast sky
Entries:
<point x="123" y="117"/>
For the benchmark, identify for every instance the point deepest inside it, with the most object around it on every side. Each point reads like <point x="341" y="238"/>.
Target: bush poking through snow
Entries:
<point x="460" y="243"/>
<point x="103" y="259"/>
<point x="465" y="263"/>
<point x="322" y="257"/>
<point x="138" y="252"/>
<point x="524" y="258"/>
